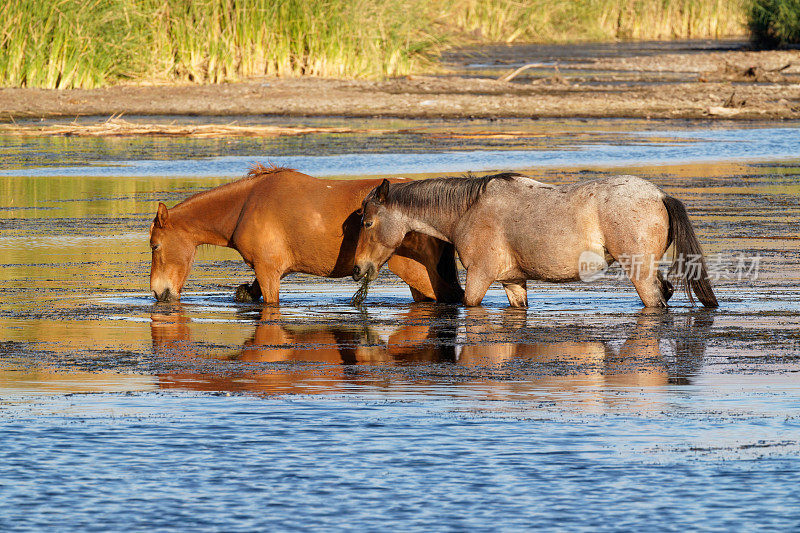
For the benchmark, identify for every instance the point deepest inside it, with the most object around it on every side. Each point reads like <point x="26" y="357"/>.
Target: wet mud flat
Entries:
<point x="683" y="79"/>
<point x="583" y="412"/>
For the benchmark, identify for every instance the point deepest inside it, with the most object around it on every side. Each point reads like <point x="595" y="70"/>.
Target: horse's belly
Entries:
<point x="543" y="269"/>
<point x="555" y="262"/>
<point x="553" y="273"/>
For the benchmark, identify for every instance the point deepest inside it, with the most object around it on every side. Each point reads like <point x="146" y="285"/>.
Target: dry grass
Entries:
<point x="553" y="21"/>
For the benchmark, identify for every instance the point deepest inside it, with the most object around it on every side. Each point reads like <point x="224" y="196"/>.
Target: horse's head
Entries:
<point x="173" y="253"/>
<point x="383" y="228"/>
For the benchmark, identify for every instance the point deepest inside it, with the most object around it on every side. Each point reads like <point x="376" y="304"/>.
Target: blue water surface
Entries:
<point x="700" y="143"/>
<point x="371" y="462"/>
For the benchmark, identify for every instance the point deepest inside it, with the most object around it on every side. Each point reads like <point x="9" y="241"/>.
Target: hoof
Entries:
<point x="667" y="290"/>
<point x="244" y="295"/>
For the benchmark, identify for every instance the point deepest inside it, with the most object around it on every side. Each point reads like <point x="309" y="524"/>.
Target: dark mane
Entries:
<point x="454" y="194"/>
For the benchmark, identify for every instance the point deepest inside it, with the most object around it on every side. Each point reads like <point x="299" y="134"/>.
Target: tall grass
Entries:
<point x="554" y="21"/>
<point x="67" y="43"/>
<point x="88" y="43"/>
<point x="72" y="43"/>
<point x="217" y="40"/>
<point x="774" y="23"/>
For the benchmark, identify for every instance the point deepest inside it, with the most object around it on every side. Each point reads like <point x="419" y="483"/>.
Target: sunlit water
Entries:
<point x="583" y="413"/>
<point x="435" y="147"/>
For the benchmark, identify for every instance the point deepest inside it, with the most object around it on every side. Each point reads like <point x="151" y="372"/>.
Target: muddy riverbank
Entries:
<point x="696" y="79"/>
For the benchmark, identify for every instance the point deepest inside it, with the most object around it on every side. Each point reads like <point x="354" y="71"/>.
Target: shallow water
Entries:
<point x="579" y="65"/>
<point x="454" y="146"/>
<point x="584" y="412"/>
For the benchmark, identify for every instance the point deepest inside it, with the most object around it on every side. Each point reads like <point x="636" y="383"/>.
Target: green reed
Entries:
<point x="64" y="43"/>
<point x="217" y="40"/>
<point x="70" y="43"/>
<point x="75" y="43"/>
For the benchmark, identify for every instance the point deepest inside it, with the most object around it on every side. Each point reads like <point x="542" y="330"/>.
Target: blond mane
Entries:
<point x="258" y="170"/>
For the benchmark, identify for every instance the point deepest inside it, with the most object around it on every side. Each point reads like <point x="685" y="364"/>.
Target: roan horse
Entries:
<point x="282" y="221"/>
<point x="511" y="228"/>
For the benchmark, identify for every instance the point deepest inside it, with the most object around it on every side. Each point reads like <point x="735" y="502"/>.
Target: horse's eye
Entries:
<point x="154" y="247"/>
<point x="368" y="224"/>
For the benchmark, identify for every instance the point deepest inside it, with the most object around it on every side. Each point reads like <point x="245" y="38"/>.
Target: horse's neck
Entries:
<point x="211" y="217"/>
<point x="439" y="225"/>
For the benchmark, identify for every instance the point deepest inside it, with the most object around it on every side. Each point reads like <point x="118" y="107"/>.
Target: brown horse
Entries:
<point x="511" y="228"/>
<point x="282" y="221"/>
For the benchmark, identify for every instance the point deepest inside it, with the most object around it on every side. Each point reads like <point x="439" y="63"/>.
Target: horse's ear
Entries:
<point x="382" y="192"/>
<point x="162" y="215"/>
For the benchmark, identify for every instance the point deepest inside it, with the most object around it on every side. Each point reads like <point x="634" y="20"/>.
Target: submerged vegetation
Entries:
<point x="72" y="43"/>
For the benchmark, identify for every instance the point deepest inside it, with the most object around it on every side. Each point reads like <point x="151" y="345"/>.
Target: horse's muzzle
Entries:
<point x="359" y="272"/>
<point x="165" y="296"/>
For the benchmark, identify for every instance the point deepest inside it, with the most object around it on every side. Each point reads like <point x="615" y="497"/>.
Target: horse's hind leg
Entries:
<point x="415" y="275"/>
<point x="478" y="282"/>
<point x="428" y="266"/>
<point x="419" y="297"/>
<point x="517" y="293"/>
<point x="636" y="234"/>
<point x="649" y="284"/>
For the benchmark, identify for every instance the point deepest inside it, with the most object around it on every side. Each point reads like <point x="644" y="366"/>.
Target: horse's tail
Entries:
<point x="689" y="262"/>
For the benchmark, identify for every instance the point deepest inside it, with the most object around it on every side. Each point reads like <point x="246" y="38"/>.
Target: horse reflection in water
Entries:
<point x="432" y="343"/>
<point x="659" y="349"/>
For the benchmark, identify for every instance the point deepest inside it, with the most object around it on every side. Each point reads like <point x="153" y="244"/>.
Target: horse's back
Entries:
<point x="620" y="188"/>
<point x="277" y="199"/>
<point x="286" y="187"/>
<point x="575" y="200"/>
<point x="535" y="229"/>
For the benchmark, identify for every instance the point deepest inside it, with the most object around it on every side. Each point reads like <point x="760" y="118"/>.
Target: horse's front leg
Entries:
<point x="478" y="282"/>
<point x="517" y="293"/>
<point x="269" y="279"/>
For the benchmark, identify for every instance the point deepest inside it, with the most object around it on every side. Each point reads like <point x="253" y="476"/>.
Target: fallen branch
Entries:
<point x="513" y="74"/>
<point x="116" y="126"/>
